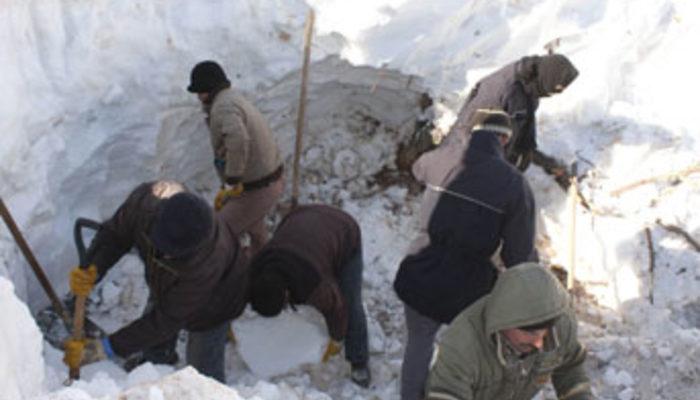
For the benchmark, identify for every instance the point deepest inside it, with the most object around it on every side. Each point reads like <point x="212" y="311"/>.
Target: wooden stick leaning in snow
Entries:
<point x="652" y="263"/>
<point x="32" y="261"/>
<point x="573" y="202"/>
<point x="680" y="231"/>
<point x="308" y="33"/>
<point x="679" y="174"/>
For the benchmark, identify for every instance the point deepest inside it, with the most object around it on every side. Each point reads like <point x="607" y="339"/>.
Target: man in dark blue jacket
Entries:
<point x="468" y="211"/>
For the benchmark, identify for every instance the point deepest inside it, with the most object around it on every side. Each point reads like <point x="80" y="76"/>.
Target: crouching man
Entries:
<point x="511" y="342"/>
<point x="315" y="258"/>
<point x="196" y="274"/>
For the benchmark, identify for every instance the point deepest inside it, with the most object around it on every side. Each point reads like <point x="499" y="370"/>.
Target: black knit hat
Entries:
<point x="268" y="293"/>
<point x="492" y="120"/>
<point x="183" y="222"/>
<point x="207" y="76"/>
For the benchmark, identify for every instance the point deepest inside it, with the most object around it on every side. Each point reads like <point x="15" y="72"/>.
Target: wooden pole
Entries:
<point x="652" y="263"/>
<point x="573" y="202"/>
<point x="308" y="34"/>
<point x="36" y="267"/>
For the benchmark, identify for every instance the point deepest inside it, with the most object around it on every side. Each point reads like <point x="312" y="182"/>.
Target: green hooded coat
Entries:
<point x="472" y="361"/>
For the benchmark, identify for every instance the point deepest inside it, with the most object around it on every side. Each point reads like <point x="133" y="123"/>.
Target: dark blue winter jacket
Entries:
<point x="476" y="206"/>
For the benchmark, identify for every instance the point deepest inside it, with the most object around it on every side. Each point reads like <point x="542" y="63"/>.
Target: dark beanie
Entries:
<point x="206" y="77"/>
<point x="553" y="70"/>
<point x="183" y="222"/>
<point x="268" y="293"/>
<point x="492" y="120"/>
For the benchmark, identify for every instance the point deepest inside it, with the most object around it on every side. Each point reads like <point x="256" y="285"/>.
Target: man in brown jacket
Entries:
<point x="246" y="156"/>
<point x="196" y="274"/>
<point x="315" y="258"/>
<point x="517" y="89"/>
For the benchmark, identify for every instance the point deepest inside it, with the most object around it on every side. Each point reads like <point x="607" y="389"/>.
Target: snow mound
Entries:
<point x="273" y="346"/>
<point x="21" y="363"/>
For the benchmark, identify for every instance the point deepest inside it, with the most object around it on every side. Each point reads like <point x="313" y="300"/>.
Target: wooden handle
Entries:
<point x="308" y="34"/>
<point x="78" y="322"/>
<point x="36" y="267"/>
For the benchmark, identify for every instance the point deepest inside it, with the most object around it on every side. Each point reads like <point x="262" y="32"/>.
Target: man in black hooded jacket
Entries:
<point x="517" y="89"/>
<point x="468" y="210"/>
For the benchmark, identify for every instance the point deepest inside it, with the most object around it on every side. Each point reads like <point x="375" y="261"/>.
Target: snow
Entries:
<point x="274" y="346"/>
<point x="95" y="103"/>
<point x="21" y="363"/>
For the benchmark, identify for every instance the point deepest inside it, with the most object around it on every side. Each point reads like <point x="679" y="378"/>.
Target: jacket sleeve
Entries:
<point x="449" y="377"/>
<point x="329" y="302"/>
<point x="569" y="379"/>
<point x="517" y="104"/>
<point x="172" y="312"/>
<point x="519" y="228"/>
<point x="236" y="140"/>
<point x="116" y="236"/>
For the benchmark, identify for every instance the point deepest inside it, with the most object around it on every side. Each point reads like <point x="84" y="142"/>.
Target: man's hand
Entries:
<point x="332" y="349"/>
<point x="227" y="193"/>
<point x="82" y="280"/>
<point x="77" y="353"/>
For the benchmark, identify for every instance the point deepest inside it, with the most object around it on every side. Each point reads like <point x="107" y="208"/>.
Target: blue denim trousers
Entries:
<point x="356" y="341"/>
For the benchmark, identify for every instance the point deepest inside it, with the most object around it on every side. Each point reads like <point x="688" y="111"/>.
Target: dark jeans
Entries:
<point x="356" y="342"/>
<point x="419" y="350"/>
<point x="205" y="350"/>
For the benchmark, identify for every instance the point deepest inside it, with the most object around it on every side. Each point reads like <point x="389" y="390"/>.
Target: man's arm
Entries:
<point x="524" y="140"/>
<point x="519" y="228"/>
<point x="329" y="302"/>
<point x="172" y="312"/>
<point x="569" y="379"/>
<point x="236" y="140"/>
<point x="449" y="378"/>
<point x="118" y="234"/>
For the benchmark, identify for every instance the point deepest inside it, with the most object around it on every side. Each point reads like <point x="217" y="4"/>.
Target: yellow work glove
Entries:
<point x="81" y="280"/>
<point x="332" y="349"/>
<point x="77" y="353"/>
<point x="227" y="193"/>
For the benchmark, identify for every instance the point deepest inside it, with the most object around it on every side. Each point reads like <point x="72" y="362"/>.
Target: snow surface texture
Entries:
<point x="21" y="364"/>
<point x="95" y="103"/>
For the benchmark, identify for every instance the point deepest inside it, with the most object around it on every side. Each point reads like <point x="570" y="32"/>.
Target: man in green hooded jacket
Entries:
<point x="511" y="342"/>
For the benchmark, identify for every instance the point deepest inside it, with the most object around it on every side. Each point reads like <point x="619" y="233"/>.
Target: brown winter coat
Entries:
<point x="195" y="294"/>
<point x="310" y="247"/>
<point x="244" y="148"/>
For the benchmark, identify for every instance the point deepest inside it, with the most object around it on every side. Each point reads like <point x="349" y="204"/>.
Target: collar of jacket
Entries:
<point x="484" y="143"/>
<point x="212" y="96"/>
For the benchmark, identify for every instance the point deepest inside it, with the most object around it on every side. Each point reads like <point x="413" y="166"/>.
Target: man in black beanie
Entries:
<point x="246" y="156"/>
<point x="196" y="274"/>
<point x="468" y="211"/>
<point x="517" y="89"/>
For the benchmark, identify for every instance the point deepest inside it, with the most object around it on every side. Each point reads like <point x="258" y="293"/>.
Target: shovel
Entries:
<point x="79" y="313"/>
<point x="54" y="321"/>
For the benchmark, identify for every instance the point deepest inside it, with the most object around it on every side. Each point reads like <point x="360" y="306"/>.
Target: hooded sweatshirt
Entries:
<point x="472" y="361"/>
<point x="515" y="88"/>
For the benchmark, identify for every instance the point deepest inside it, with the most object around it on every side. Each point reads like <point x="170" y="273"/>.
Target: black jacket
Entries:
<point x="466" y="215"/>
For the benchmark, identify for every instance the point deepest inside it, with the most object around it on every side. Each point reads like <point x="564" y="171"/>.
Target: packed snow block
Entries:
<point x="274" y="346"/>
<point x="186" y="384"/>
<point x="21" y="362"/>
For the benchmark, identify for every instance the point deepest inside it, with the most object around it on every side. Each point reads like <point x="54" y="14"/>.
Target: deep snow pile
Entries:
<point x="21" y="364"/>
<point x="95" y="103"/>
